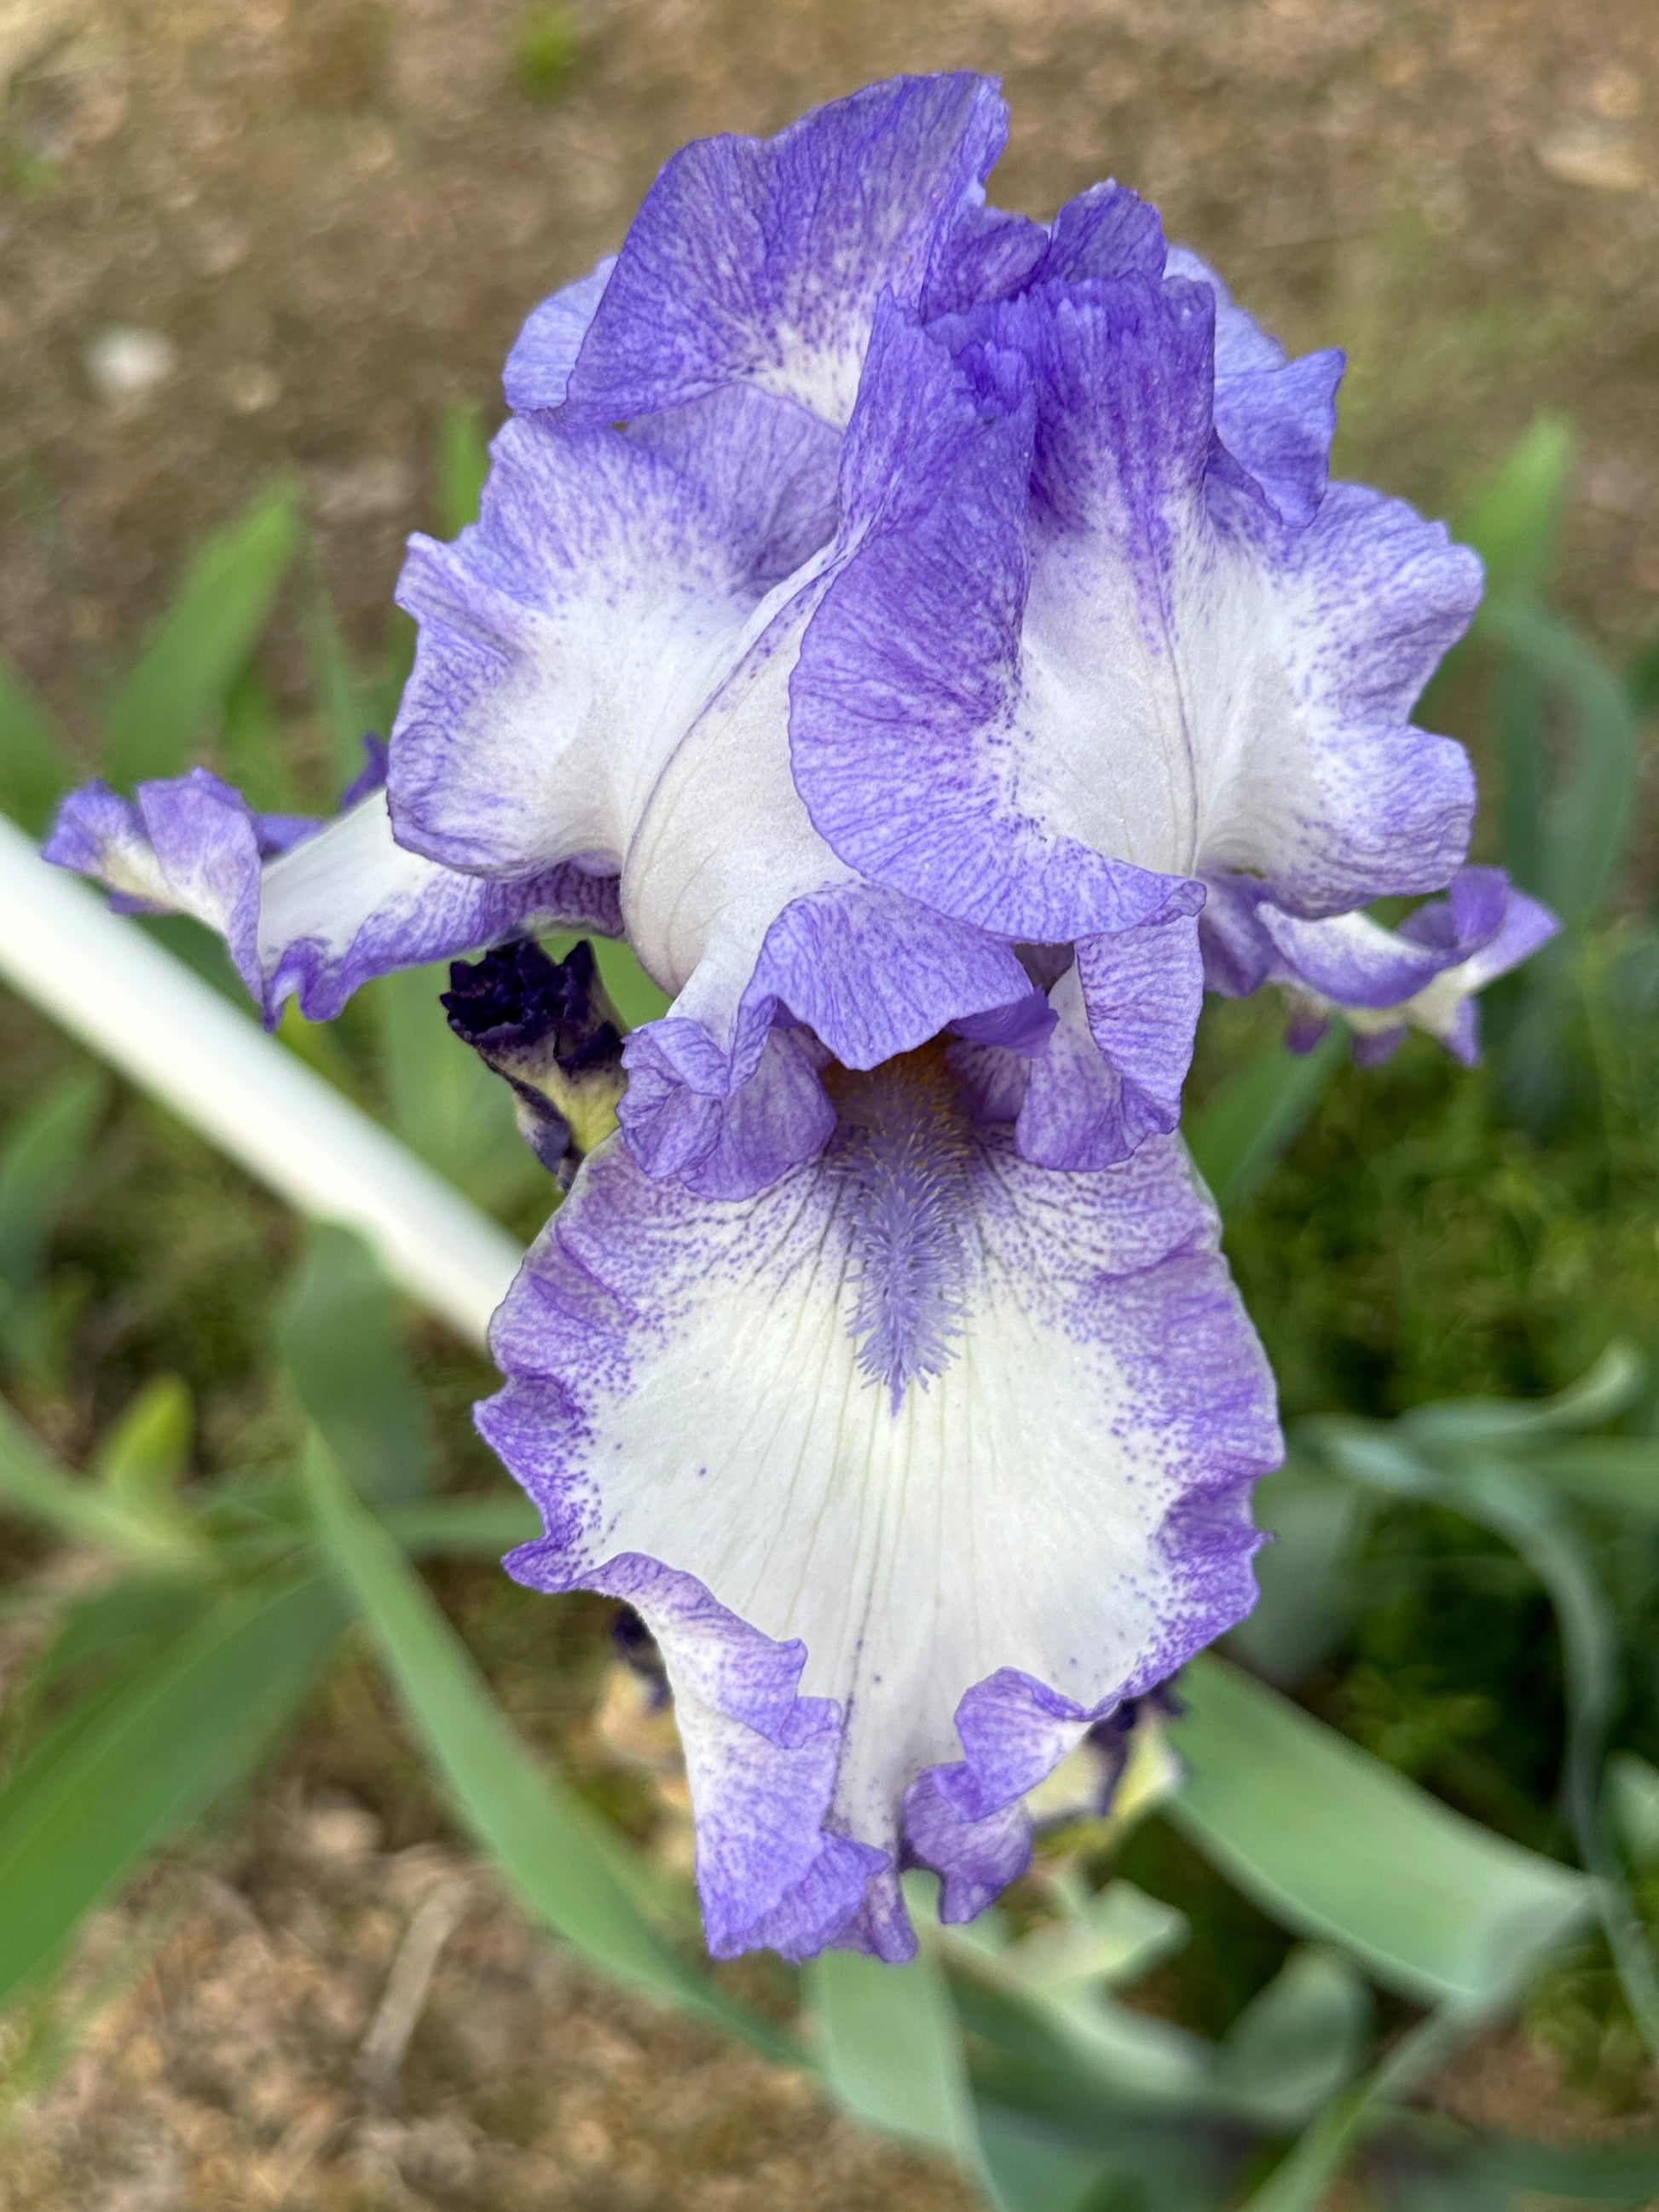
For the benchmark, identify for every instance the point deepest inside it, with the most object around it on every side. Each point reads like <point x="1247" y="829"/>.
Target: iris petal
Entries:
<point x="544" y="352"/>
<point x="313" y="910"/>
<point x="915" y="1464"/>
<point x="762" y="260"/>
<point x="1423" y="975"/>
<point x="1178" y="685"/>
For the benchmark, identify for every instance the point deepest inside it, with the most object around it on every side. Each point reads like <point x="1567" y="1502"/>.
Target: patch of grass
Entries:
<point x="546" y="54"/>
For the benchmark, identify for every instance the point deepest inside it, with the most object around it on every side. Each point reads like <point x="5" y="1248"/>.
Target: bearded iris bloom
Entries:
<point x="931" y="638"/>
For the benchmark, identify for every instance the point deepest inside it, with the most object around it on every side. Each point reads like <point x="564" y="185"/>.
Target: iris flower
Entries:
<point x="930" y="636"/>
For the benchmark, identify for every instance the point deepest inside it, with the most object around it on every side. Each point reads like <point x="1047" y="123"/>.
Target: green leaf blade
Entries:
<point x="568" y="1869"/>
<point x="342" y="1345"/>
<point x="1337" y="1846"/>
<point x="891" y="2049"/>
<point x="36" y="767"/>
<point x="45" y="1151"/>
<point x="1248" y="1121"/>
<point x="35" y="1487"/>
<point x="202" y="642"/>
<point x="82" y="1814"/>
<point x="462" y="465"/>
<point x="1513" y="522"/>
<point x="1587" y="821"/>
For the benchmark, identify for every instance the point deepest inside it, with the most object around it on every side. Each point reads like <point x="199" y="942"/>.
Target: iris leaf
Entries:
<point x="891" y="2049"/>
<point x="464" y="1527"/>
<point x="344" y="700"/>
<point x="568" y="1867"/>
<point x="1642" y="681"/>
<point x="142" y="1456"/>
<point x="1588" y="821"/>
<point x="342" y="1345"/>
<point x="1620" y="1474"/>
<point x="1504" y="1498"/>
<point x="116" y="1778"/>
<point x="1300" y="2040"/>
<point x="202" y="642"/>
<point x="32" y="1485"/>
<point x="45" y="1152"/>
<point x="1029" y="2168"/>
<point x="35" y="765"/>
<point x="1301" y="2181"/>
<point x="1250" y="1118"/>
<point x="462" y="465"/>
<point x="1625" y="2172"/>
<point x="1514" y="520"/>
<point x="1337" y="1845"/>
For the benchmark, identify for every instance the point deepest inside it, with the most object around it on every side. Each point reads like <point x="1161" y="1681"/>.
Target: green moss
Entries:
<point x="1416" y="1244"/>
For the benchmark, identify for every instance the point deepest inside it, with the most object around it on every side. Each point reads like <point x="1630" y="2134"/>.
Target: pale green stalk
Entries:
<point x="174" y="1036"/>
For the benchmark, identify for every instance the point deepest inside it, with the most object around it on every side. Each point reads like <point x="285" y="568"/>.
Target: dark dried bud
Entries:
<point x="548" y="1029"/>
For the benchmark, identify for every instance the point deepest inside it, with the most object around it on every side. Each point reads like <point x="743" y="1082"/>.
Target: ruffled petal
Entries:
<point x="568" y="641"/>
<point x="1423" y="975"/>
<point x="865" y="970"/>
<point x="1130" y="680"/>
<point x="986" y="253"/>
<point x="725" y="1125"/>
<point x="312" y="914"/>
<point x="602" y="673"/>
<point x="544" y="352"/>
<point x="1111" y="1075"/>
<point x="1275" y="417"/>
<point x="761" y="261"/>
<point x="1445" y="1007"/>
<point x="910" y="670"/>
<point x="767" y="466"/>
<point x="796" y="1432"/>
<point x="1107" y="231"/>
<point x="731" y="893"/>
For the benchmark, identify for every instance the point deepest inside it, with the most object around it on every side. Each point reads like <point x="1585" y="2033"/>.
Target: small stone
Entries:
<point x="251" y="387"/>
<point x="124" y="363"/>
<point x="1596" y="156"/>
<point x="377" y="486"/>
<point x="336" y="1829"/>
<point x="1617" y="92"/>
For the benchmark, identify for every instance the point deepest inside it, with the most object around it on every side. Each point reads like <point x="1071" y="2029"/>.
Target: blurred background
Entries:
<point x="260" y="261"/>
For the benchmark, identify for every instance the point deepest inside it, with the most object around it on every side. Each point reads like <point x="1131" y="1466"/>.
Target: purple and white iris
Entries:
<point x="931" y="637"/>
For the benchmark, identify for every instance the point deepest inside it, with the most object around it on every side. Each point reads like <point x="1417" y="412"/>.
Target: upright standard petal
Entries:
<point x="746" y="908"/>
<point x="761" y="261"/>
<point x="1275" y="417"/>
<point x="544" y="352"/>
<point x="315" y="910"/>
<point x="568" y="641"/>
<point x="604" y="672"/>
<point x="1132" y="669"/>
<point x="915" y="1466"/>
